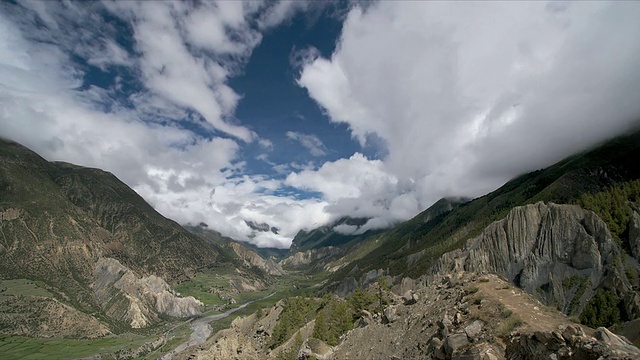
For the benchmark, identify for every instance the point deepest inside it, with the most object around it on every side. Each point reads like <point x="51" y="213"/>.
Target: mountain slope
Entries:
<point x="607" y="165"/>
<point x="313" y="250"/>
<point x="88" y="241"/>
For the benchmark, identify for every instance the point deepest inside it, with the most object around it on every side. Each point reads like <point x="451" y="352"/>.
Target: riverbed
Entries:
<point x="202" y="329"/>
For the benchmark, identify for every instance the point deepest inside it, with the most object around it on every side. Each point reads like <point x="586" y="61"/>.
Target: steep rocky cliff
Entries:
<point x="137" y="301"/>
<point x="561" y="253"/>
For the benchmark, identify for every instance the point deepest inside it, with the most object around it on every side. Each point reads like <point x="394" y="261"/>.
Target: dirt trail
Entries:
<point x="537" y="316"/>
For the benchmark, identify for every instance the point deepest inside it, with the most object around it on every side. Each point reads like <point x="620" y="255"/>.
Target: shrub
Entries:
<point x="509" y="325"/>
<point x="469" y="291"/>
<point x="601" y="310"/>
<point x="506" y="313"/>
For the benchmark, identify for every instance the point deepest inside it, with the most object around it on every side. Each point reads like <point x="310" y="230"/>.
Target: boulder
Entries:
<point x="474" y="330"/>
<point x="455" y="342"/>
<point x="314" y="348"/>
<point x="409" y="298"/>
<point x="457" y="318"/>
<point x="609" y="338"/>
<point x="389" y="314"/>
<point x="571" y="332"/>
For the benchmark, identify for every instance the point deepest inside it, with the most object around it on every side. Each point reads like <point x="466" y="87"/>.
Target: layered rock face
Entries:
<point x="304" y="258"/>
<point x="251" y="258"/>
<point x="138" y="301"/>
<point x="555" y="251"/>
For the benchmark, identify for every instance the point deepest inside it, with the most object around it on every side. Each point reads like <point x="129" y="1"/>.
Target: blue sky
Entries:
<point x="297" y="113"/>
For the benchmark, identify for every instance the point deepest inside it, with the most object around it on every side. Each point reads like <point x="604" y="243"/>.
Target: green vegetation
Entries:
<point x="585" y="283"/>
<point x="509" y="325"/>
<point x="471" y="290"/>
<point x="175" y="337"/>
<point x="18" y="347"/>
<point x="325" y="236"/>
<point x="292" y="352"/>
<point x="336" y="316"/>
<point x="613" y="206"/>
<point x="601" y="310"/>
<point x="23" y="287"/>
<point x="334" y="319"/>
<point x="201" y="285"/>
<point x="506" y="313"/>
<point x="297" y="312"/>
<point x="361" y="300"/>
<point x="569" y="283"/>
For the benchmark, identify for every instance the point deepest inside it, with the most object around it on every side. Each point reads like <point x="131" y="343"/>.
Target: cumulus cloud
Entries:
<point x="458" y="98"/>
<point x="361" y="188"/>
<point x="265" y="144"/>
<point x="311" y="142"/>
<point x="465" y="95"/>
<point x="178" y="62"/>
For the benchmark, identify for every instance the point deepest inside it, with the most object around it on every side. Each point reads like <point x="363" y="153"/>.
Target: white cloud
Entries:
<point x="110" y="54"/>
<point x="345" y="229"/>
<point x="466" y="95"/>
<point x="184" y="67"/>
<point x="265" y="144"/>
<point x="462" y="100"/>
<point x="229" y="204"/>
<point x="311" y="142"/>
<point x="282" y="11"/>
<point x="185" y="77"/>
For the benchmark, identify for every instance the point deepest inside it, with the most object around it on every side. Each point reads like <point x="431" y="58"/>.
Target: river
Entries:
<point x="202" y="329"/>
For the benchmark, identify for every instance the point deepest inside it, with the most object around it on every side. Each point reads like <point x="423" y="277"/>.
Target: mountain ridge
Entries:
<point x="62" y="224"/>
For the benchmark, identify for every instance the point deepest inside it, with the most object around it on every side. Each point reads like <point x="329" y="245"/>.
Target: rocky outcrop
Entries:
<point x="570" y="342"/>
<point x="349" y="284"/>
<point x="304" y="258"/>
<point x="315" y="349"/>
<point x="251" y="258"/>
<point x="457" y="316"/>
<point x="137" y="301"/>
<point x="555" y="251"/>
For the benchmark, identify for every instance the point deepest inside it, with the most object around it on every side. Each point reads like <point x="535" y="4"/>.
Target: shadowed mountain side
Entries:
<point x="62" y="224"/>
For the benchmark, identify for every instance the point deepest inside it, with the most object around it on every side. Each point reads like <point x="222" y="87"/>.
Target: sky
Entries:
<point x="295" y="114"/>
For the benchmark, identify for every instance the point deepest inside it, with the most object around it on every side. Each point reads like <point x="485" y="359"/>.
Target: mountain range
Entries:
<point x="83" y="256"/>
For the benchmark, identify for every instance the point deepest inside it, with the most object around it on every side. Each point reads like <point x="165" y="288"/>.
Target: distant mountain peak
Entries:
<point x="262" y="227"/>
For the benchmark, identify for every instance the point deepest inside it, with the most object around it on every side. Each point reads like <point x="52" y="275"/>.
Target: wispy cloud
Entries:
<point x="164" y="64"/>
<point x="311" y="142"/>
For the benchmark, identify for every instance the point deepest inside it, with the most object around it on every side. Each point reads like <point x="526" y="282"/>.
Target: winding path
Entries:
<point x="202" y="329"/>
